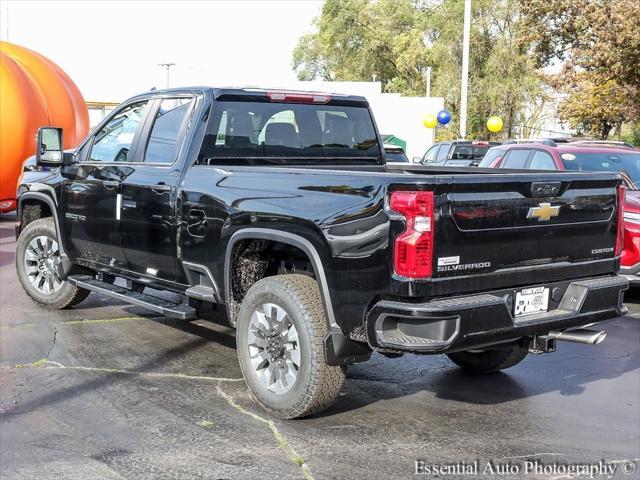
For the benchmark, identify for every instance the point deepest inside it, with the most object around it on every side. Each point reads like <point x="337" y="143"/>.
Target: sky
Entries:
<point x="111" y="49"/>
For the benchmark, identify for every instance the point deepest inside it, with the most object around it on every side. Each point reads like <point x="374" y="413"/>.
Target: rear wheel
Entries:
<point x="281" y="326"/>
<point x="489" y="361"/>
<point x="37" y="259"/>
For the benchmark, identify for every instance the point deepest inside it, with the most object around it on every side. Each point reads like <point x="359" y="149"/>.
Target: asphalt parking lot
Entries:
<point x="108" y="391"/>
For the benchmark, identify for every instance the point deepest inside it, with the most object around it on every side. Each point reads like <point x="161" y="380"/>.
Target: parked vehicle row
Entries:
<point x="458" y="153"/>
<point x="280" y="208"/>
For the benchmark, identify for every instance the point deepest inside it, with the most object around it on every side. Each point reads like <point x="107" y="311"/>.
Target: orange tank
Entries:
<point x="34" y="92"/>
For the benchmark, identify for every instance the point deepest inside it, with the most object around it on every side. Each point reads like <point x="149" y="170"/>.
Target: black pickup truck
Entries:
<point x="278" y="208"/>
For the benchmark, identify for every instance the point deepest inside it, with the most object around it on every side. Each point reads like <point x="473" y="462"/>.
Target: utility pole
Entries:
<point x="168" y="67"/>
<point x="426" y="39"/>
<point x="427" y="75"/>
<point x="464" y="87"/>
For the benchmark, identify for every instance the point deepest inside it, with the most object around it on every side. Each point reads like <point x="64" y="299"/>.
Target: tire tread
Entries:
<point x="73" y="295"/>
<point x="326" y="381"/>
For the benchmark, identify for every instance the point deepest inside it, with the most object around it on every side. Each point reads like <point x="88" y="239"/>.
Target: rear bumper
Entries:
<point x="473" y="321"/>
<point x="632" y="273"/>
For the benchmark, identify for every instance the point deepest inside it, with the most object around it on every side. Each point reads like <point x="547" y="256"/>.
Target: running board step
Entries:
<point x="164" y="307"/>
<point x="201" y="292"/>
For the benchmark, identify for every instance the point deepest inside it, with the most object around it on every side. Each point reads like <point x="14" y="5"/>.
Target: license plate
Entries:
<point x="531" y="300"/>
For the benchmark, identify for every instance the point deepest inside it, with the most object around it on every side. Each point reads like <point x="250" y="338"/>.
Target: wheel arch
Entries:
<point x="338" y="349"/>
<point x="287" y="238"/>
<point x="40" y="198"/>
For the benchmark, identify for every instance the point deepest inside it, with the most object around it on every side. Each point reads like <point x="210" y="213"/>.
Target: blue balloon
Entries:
<point x="444" y="117"/>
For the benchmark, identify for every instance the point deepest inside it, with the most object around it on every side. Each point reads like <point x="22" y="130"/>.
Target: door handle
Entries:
<point x="161" y="188"/>
<point x="110" y="184"/>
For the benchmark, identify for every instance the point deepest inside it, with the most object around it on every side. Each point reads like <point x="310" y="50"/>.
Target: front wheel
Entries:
<point x="489" y="361"/>
<point x="37" y="259"/>
<point x="281" y="326"/>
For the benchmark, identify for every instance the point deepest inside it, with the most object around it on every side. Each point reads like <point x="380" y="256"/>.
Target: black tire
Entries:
<point x="67" y="295"/>
<point x="317" y="384"/>
<point x="489" y="361"/>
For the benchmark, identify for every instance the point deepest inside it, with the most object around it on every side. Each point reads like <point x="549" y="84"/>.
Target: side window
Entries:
<point x="542" y="161"/>
<point x="430" y="156"/>
<point x="516" y="158"/>
<point x="165" y="136"/>
<point x="113" y="142"/>
<point x="443" y="153"/>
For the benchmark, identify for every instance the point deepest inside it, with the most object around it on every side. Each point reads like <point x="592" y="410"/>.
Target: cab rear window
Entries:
<point x="469" y="152"/>
<point x="288" y="131"/>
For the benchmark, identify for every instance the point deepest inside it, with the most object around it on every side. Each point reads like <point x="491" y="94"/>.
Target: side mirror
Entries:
<point x="416" y="159"/>
<point x="49" y="151"/>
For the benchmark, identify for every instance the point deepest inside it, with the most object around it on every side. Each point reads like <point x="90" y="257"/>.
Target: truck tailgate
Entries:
<point x="520" y="229"/>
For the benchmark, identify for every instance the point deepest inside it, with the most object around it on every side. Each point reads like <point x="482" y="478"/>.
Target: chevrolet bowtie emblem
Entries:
<point x="543" y="212"/>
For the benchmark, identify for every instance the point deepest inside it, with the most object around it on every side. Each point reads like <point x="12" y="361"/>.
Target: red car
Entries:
<point x="587" y="156"/>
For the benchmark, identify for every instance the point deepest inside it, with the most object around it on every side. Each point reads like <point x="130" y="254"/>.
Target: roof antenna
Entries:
<point x="152" y="89"/>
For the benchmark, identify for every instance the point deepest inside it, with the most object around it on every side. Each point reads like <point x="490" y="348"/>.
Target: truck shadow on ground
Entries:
<point x="567" y="371"/>
<point x="383" y="379"/>
<point x="632" y="295"/>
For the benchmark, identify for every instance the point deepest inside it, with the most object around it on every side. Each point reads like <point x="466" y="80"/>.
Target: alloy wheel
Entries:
<point x="274" y="348"/>
<point x="41" y="261"/>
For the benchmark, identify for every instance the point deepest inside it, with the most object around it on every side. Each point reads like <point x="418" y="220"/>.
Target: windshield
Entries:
<point x="628" y="163"/>
<point x="282" y="132"/>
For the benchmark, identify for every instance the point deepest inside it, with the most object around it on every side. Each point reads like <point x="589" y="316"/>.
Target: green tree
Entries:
<point x="356" y="39"/>
<point x="599" y="43"/>
<point x="502" y="77"/>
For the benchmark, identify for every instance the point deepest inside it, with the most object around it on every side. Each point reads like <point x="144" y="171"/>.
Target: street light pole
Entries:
<point x="168" y="67"/>
<point x="464" y="87"/>
<point x="427" y="74"/>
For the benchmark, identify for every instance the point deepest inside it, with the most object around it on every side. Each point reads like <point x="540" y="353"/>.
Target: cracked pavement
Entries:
<point x="110" y="391"/>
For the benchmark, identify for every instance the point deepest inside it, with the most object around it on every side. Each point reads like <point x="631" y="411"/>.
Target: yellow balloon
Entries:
<point x="494" y="124"/>
<point x="429" y="120"/>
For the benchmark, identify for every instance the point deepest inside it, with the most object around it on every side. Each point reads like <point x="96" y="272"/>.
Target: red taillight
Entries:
<point x="294" y="97"/>
<point x="620" y="235"/>
<point x="413" y="248"/>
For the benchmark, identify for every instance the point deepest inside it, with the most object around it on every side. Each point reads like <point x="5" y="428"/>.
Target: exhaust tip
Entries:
<point x="588" y="337"/>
